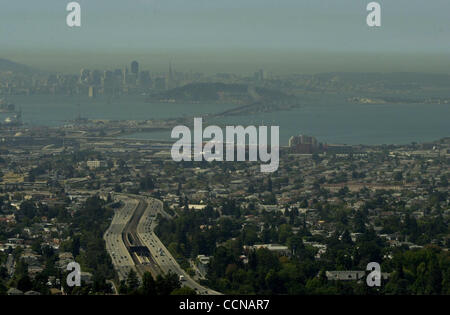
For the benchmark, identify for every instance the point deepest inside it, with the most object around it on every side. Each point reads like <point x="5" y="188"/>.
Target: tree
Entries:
<point x="284" y="232"/>
<point x="444" y="181"/>
<point x="274" y="282"/>
<point x="24" y="283"/>
<point x="267" y="260"/>
<point x="304" y="204"/>
<point x="434" y="276"/>
<point x="28" y="209"/>
<point x="295" y="244"/>
<point x="75" y="246"/>
<point x="148" y="284"/>
<point x="147" y="183"/>
<point x="359" y="222"/>
<point x="269" y="185"/>
<point x="252" y="260"/>
<point x="132" y="281"/>
<point x="184" y="291"/>
<point x="165" y="285"/>
<point x="123" y="289"/>
<point x="346" y="238"/>
<point x="398" y="176"/>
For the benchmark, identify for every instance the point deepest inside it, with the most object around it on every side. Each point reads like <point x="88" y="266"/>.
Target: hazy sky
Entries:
<point x="229" y="35"/>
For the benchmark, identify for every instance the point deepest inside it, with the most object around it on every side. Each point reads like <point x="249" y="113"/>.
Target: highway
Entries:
<point x="139" y="252"/>
<point x="132" y="243"/>
<point x="115" y="246"/>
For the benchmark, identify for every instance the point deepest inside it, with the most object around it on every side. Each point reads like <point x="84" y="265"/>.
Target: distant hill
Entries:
<point x="8" y="65"/>
<point x="394" y="79"/>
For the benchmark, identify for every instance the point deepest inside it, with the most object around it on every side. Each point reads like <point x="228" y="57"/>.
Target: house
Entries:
<point x="202" y="263"/>
<point x="279" y="249"/>
<point x="64" y="259"/>
<point x="93" y="164"/>
<point x="196" y="207"/>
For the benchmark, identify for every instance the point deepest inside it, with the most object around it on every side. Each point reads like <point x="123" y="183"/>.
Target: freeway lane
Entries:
<point x="119" y="253"/>
<point x="160" y="254"/>
<point x="143" y="262"/>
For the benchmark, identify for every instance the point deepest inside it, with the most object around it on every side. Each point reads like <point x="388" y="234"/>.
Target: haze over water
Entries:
<point x="330" y="121"/>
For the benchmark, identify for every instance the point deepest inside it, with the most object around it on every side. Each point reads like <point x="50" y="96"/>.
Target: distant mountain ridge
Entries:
<point x="404" y="78"/>
<point x="8" y="65"/>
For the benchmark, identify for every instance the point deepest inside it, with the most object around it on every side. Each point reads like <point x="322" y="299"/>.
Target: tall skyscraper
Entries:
<point x="144" y="79"/>
<point x="304" y="144"/>
<point x="92" y="92"/>
<point x="170" y="77"/>
<point x="134" y="67"/>
<point x="84" y="75"/>
<point x="124" y="75"/>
